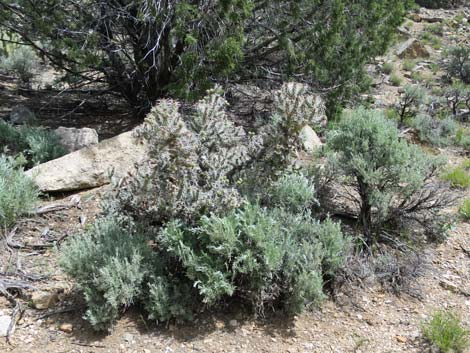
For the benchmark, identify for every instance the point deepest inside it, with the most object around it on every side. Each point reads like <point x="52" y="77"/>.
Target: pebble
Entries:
<point x="233" y="323"/>
<point x="42" y="300"/>
<point x="66" y="327"/>
<point x="128" y="337"/>
<point x="402" y="339"/>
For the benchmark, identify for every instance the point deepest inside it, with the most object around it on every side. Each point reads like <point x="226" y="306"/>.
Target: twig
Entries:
<point x="466" y="251"/>
<point x="17" y="314"/>
<point x="88" y="345"/>
<point x="14" y="245"/>
<point x="59" y="311"/>
<point x="17" y="311"/>
<point x="53" y="208"/>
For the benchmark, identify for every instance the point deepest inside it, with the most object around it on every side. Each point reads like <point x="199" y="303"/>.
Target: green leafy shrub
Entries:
<point x="436" y="29"/>
<point x="409" y="102"/>
<point x="387" y="68"/>
<point x="458" y="63"/>
<point x="462" y="138"/>
<point x="435" y="131"/>
<point x="445" y="331"/>
<point x="18" y="194"/>
<point x="396" y="79"/>
<point x="459" y="176"/>
<point x="22" y="62"/>
<point x="38" y="145"/>
<point x="409" y="65"/>
<point x="391" y="179"/>
<point x="464" y="209"/>
<point x="431" y="39"/>
<point x="10" y="138"/>
<point x="43" y="145"/>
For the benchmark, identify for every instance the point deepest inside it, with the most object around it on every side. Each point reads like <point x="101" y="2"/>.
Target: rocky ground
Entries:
<point x="362" y="317"/>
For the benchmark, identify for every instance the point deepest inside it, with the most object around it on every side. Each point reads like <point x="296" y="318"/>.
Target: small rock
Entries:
<point x="415" y="334"/>
<point x="450" y="286"/>
<point x="219" y="325"/>
<point x="5" y="321"/>
<point x="415" y="17"/>
<point x="67" y="328"/>
<point x="128" y="337"/>
<point x="233" y="323"/>
<point x="431" y="19"/>
<point x="42" y="300"/>
<point x="402" y="339"/>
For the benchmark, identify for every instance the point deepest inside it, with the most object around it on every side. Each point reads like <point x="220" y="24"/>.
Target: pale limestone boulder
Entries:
<point x="309" y="138"/>
<point x="91" y="166"/>
<point x="74" y="139"/>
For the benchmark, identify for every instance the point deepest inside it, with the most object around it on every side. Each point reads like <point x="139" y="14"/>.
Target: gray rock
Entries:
<point x="310" y="139"/>
<point x="21" y="114"/>
<point x="42" y="300"/>
<point x="5" y="321"/>
<point x="75" y="139"/>
<point x="91" y="166"/>
<point x="412" y="49"/>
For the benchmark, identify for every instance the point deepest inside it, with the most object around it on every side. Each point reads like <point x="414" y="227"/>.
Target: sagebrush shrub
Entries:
<point x="268" y="258"/>
<point x="391" y="179"/>
<point x="435" y="131"/>
<point x="108" y="264"/>
<point x="457" y="97"/>
<point x="294" y="192"/>
<point x="18" y="194"/>
<point x="10" y="138"/>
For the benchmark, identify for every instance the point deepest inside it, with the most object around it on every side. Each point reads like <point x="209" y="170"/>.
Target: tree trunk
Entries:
<point x="365" y="215"/>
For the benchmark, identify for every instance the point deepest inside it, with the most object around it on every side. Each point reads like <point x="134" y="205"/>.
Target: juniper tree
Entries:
<point x="148" y="49"/>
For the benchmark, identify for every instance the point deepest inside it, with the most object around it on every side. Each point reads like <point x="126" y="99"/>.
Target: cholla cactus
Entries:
<point x="296" y="107"/>
<point x="186" y="174"/>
